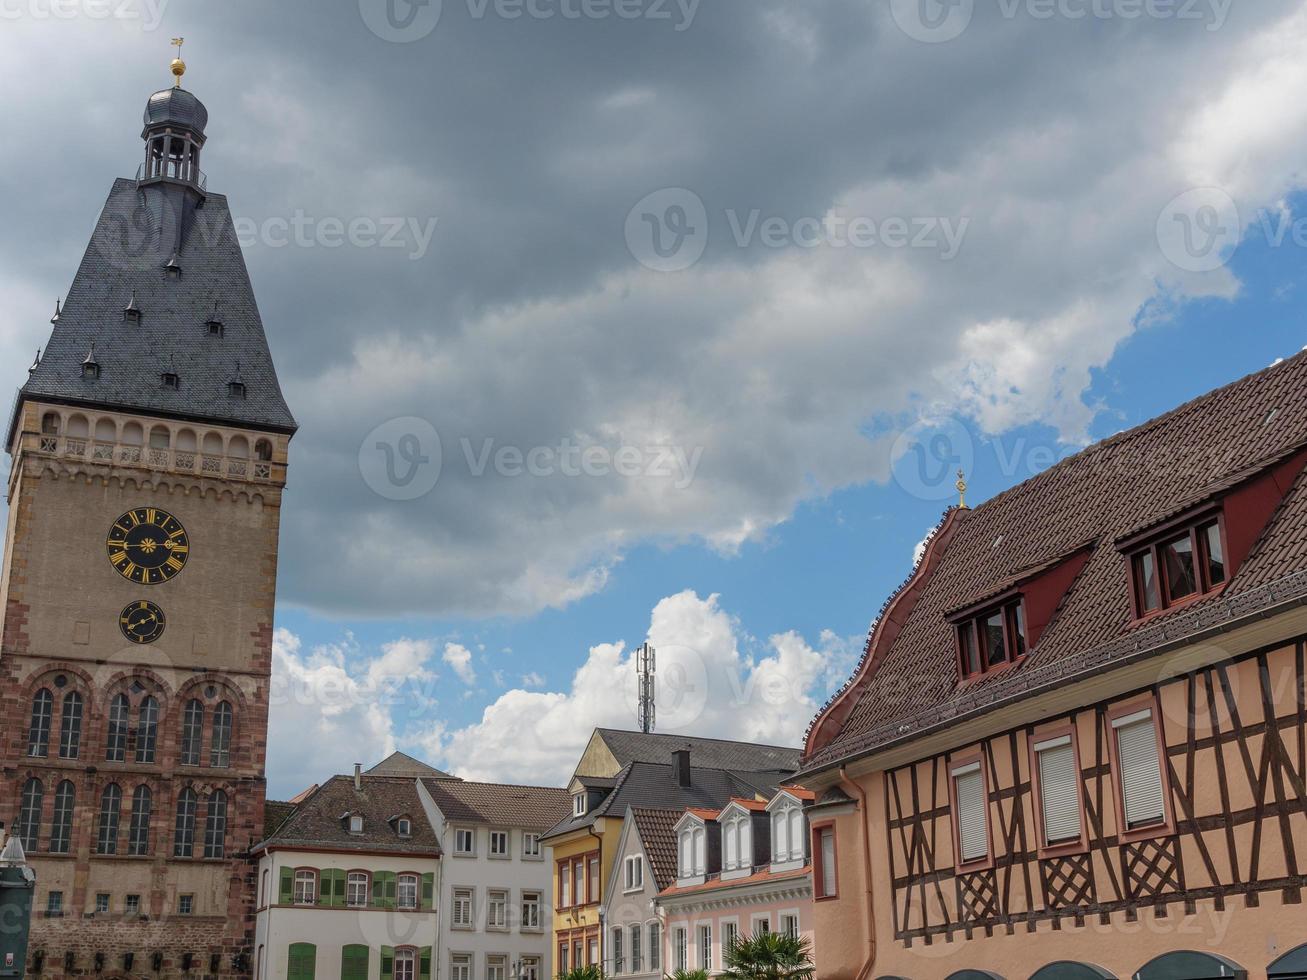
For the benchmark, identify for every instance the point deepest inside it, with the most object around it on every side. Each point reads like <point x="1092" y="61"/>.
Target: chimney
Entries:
<point x="358" y="776"/>
<point x="681" y="767"/>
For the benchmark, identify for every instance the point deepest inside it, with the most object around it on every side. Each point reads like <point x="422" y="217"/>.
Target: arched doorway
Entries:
<point x="1067" y="970"/>
<point x="974" y="975"/>
<point x="1291" y="966"/>
<point x="1191" y="965"/>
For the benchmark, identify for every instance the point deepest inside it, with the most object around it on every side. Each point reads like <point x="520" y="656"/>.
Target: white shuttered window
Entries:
<point x="1141" y="770"/>
<point x="972" y="813"/>
<point x="1059" y="792"/>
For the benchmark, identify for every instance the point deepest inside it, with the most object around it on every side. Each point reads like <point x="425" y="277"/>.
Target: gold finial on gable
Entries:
<point x="178" y="66"/>
<point x="962" y="490"/>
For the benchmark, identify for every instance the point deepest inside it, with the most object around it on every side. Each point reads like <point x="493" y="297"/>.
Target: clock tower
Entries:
<point x="149" y="445"/>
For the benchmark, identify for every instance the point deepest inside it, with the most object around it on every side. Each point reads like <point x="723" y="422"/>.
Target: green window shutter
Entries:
<point x="379" y="890"/>
<point x="391" y="881"/>
<point x="387" y="962"/>
<point x="424" y="963"/>
<point x="287" y="890"/>
<point x="428" y="892"/>
<point x="336" y="897"/>
<point x="301" y="961"/>
<point x="354" y="963"/>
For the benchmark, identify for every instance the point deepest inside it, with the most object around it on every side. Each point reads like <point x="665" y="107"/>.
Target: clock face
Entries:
<point x="142" y="622"/>
<point x="148" y="546"/>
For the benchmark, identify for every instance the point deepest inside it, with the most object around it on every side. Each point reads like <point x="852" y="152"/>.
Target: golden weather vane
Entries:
<point x="178" y="66"/>
<point x="962" y="490"/>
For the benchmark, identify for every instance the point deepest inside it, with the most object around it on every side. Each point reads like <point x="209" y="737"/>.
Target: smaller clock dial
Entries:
<point x="148" y="546"/>
<point x="142" y="622"/>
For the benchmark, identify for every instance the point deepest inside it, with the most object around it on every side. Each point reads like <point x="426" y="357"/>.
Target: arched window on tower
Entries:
<point x="147" y="731"/>
<point x="215" y="825"/>
<point x="115" y="746"/>
<point x="38" y="732"/>
<point x="220" y="746"/>
<point x="183" y="838"/>
<point x="29" y="814"/>
<point x="70" y="726"/>
<point x="192" y="732"/>
<point x="111" y="803"/>
<point x="61" y="830"/>
<point x="138" y="835"/>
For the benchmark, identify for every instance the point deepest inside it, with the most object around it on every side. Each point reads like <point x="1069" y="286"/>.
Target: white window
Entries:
<point x="460" y="966"/>
<point x="619" y="962"/>
<point x="497" y="967"/>
<point x="531" y="968"/>
<point x="404" y="827"/>
<point x="408" y="891"/>
<point x="562" y="958"/>
<point x="462" y="917"/>
<point x="700" y="851"/>
<point x="972" y="813"/>
<point x="682" y="950"/>
<point x="499" y="843"/>
<point x="465" y="841"/>
<point x="306" y="887"/>
<point x="790" y="926"/>
<point x="565" y="886"/>
<point x="530" y="910"/>
<point x="730" y="933"/>
<point x="633" y="873"/>
<point x="705" y="947"/>
<point x="497" y="910"/>
<point x="655" y="947"/>
<point x="788" y="837"/>
<point x="530" y="845"/>
<point x="355" y="824"/>
<point x="761" y="927"/>
<point x="827" y="884"/>
<point x="405" y="963"/>
<point x="738" y="839"/>
<point x="356" y="890"/>
<point x="1142" y="798"/>
<point x="686" y="861"/>
<point x="578" y="805"/>
<point x="636" y="932"/>
<point x="1059" y="790"/>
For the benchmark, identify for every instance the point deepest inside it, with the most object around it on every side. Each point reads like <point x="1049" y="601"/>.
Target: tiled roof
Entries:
<point x="399" y="764"/>
<point x="533" y="808"/>
<point x="274" y="812"/>
<point x="908" y="682"/>
<point x="715" y="883"/>
<point x="711" y="753"/>
<point x="654" y="786"/>
<point x="657" y="829"/>
<point x="137" y="234"/>
<point x="318" y="823"/>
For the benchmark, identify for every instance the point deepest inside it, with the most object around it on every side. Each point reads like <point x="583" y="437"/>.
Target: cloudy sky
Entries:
<point x="654" y="319"/>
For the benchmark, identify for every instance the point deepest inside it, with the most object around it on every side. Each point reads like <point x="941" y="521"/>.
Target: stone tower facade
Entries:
<point x="149" y="446"/>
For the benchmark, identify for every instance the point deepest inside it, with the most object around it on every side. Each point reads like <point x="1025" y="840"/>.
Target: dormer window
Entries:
<point x="90" y="366"/>
<point x="215" y="328"/>
<point x="993" y="639"/>
<point x="693" y="851"/>
<point x="579" y="805"/>
<point x="236" y="389"/>
<point x="404" y="827"/>
<point x="788" y="840"/>
<point x="737" y="842"/>
<point x="355" y="823"/>
<point x="171" y="381"/>
<point x="132" y="312"/>
<point x="1181" y="565"/>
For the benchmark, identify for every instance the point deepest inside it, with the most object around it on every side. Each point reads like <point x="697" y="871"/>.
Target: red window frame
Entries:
<point x="819" y="830"/>
<point x="1195" y="529"/>
<point x="1038" y="737"/>
<point x="970" y="636"/>
<point x="1166" y="827"/>
<point x="977" y="864"/>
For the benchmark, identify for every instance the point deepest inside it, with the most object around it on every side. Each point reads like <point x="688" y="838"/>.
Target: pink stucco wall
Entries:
<point x="717" y="908"/>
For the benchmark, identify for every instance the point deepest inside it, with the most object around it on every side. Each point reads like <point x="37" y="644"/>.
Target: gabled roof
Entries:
<point x="318" y="824"/>
<point x="139" y="231"/>
<point x="654" y="786"/>
<point x="711" y="753"/>
<point x="715" y="882"/>
<point x="657" y="830"/>
<point x="399" y="764"/>
<point x="532" y="808"/>
<point x="1132" y="481"/>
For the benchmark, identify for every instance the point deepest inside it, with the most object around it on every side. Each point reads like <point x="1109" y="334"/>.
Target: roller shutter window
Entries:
<point x="1059" y="791"/>
<point x="972" y="813"/>
<point x="1142" y="798"/>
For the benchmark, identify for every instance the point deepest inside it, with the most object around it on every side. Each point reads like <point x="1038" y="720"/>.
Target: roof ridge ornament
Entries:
<point x="178" y="66"/>
<point x="962" y="490"/>
<point x="36" y="363"/>
<point x="58" y="311"/>
<point x="131" y="311"/>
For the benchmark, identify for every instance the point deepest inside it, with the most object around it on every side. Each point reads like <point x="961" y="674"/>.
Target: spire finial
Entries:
<point x="57" y="311"/>
<point x="178" y="66"/>
<point x="962" y="490"/>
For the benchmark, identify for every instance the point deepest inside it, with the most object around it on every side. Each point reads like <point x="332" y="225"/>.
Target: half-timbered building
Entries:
<point x="1076" y="745"/>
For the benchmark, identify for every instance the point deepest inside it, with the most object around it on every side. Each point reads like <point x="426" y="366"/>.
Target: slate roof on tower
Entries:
<point x="1250" y="434"/>
<point x="712" y="753"/>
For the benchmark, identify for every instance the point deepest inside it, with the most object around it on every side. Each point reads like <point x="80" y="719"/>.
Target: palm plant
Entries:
<point x="769" y="956"/>
<point x="583" y="973"/>
<point x="687" y="975"/>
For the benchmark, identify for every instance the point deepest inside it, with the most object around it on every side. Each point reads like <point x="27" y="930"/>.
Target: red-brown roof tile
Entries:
<point x="533" y="808"/>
